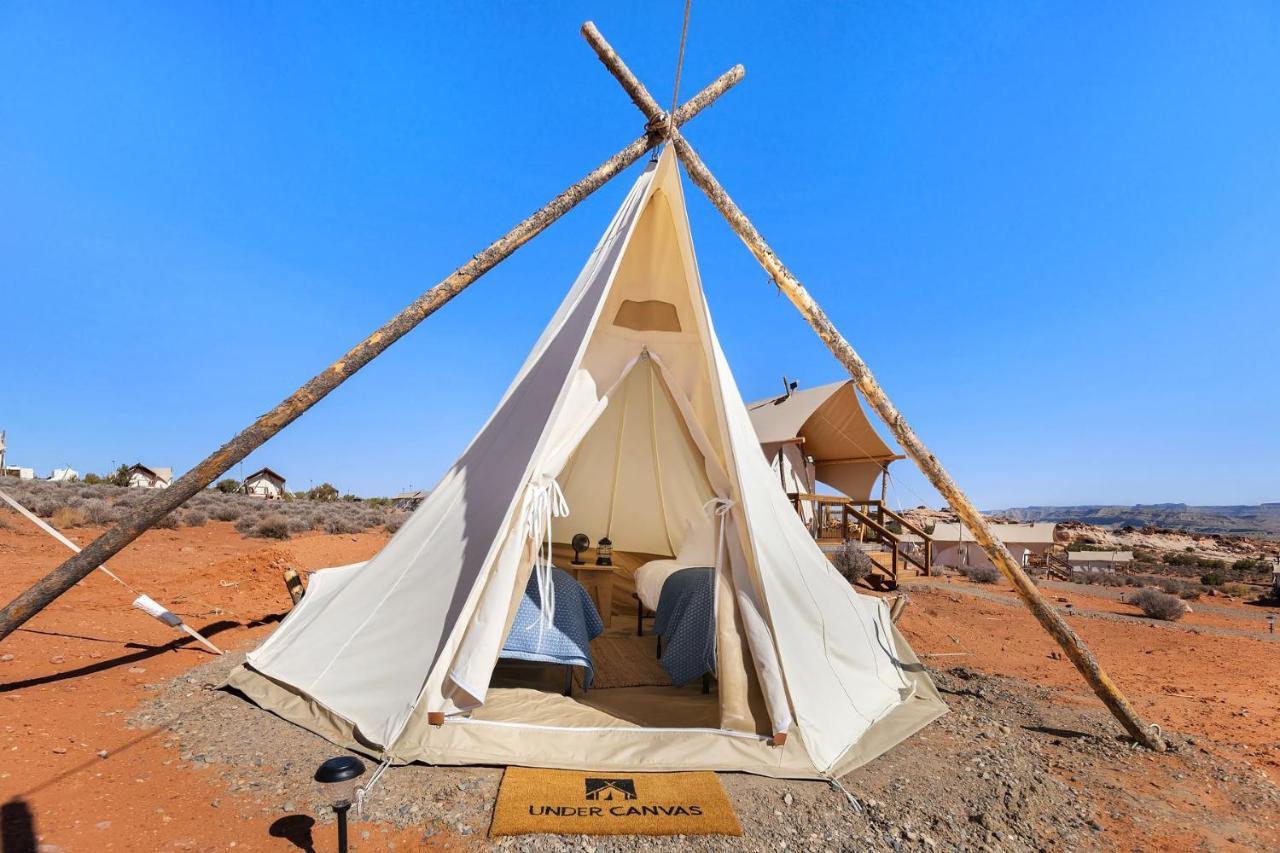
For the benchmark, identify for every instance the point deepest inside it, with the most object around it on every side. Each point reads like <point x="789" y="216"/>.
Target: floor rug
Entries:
<point x="569" y="802"/>
<point x="627" y="662"/>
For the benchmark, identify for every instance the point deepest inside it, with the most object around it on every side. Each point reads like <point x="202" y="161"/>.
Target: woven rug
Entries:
<point x="626" y="662"/>
<point x="568" y="802"/>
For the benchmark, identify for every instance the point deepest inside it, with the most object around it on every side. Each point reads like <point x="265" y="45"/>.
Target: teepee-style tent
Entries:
<point x="625" y="418"/>
<point x="660" y="128"/>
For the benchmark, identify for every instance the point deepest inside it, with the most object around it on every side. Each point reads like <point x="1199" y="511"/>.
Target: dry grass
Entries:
<point x="66" y="517"/>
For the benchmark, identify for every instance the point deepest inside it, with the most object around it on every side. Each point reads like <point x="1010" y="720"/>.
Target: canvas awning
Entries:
<point x="847" y="452"/>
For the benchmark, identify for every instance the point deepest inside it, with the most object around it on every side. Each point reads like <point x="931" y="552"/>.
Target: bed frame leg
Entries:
<point x="639" y="617"/>
<point x="568" y="681"/>
<point x="706" y="682"/>
<point x="659" y="645"/>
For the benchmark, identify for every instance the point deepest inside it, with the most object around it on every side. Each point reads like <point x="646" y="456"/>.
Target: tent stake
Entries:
<point x="844" y="352"/>
<point x="164" y="501"/>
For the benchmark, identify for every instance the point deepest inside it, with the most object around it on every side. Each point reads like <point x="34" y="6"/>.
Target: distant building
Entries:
<point x="19" y="472"/>
<point x="60" y="475"/>
<point x="144" y="477"/>
<point x="264" y="483"/>
<point x="1100" y="561"/>
<point x="409" y="501"/>
<point x="954" y="544"/>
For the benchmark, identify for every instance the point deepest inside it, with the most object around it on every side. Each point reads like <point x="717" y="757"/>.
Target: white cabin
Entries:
<point x="145" y="477"/>
<point x="264" y="483"/>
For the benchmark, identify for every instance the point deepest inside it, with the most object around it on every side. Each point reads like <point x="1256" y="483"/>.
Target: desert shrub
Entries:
<point x="226" y="512"/>
<point x="1159" y="605"/>
<point x="395" y="521"/>
<point x="272" y="526"/>
<point x="246" y="523"/>
<point x="1236" y="589"/>
<point x="66" y="516"/>
<point x="339" y="524"/>
<point x="98" y="511"/>
<point x="4" y="522"/>
<point x="1211" y="564"/>
<point x="1100" y="578"/>
<point x="1212" y="579"/>
<point x="194" y="518"/>
<point x="852" y="562"/>
<point x="1181" y="560"/>
<point x="227" y="486"/>
<point x="981" y="574"/>
<point x="1141" y="555"/>
<point x="169" y="522"/>
<point x="45" y="507"/>
<point x="302" y="523"/>
<point x="1245" y="565"/>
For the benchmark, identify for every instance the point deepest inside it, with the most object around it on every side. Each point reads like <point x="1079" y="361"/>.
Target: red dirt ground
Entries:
<point x="70" y="677"/>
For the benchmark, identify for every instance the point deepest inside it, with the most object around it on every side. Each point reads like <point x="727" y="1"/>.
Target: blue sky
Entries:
<point x="1052" y="229"/>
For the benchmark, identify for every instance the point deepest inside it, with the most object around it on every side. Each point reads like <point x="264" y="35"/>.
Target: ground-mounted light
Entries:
<point x="340" y="777"/>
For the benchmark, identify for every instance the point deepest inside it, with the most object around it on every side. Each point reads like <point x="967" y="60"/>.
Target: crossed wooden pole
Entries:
<point x="659" y="127"/>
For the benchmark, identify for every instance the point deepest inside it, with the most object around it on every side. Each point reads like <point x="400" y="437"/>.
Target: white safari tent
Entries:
<point x="955" y="546"/>
<point x="821" y="434"/>
<point x="625" y="420"/>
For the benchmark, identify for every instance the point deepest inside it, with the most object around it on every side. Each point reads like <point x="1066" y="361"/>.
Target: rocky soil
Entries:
<point x="1010" y="768"/>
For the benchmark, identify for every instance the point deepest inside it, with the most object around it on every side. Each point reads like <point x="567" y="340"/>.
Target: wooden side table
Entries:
<point x="598" y="582"/>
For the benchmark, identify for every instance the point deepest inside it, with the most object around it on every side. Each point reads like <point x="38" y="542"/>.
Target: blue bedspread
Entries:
<point x="686" y="623"/>
<point x="568" y="640"/>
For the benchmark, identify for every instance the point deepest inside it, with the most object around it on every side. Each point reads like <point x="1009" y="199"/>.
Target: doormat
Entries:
<point x="567" y="802"/>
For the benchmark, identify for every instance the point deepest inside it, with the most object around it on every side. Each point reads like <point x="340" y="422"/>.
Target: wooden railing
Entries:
<point x="865" y="520"/>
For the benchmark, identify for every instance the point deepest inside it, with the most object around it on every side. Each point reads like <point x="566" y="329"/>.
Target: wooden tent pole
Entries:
<point x="1070" y="642"/>
<point x="164" y="501"/>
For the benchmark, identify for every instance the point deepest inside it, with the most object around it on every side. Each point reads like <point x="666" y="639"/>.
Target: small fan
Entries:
<point x="580" y="543"/>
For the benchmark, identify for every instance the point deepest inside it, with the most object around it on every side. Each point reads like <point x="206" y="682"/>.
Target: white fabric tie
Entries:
<point x="545" y="503"/>
<point x="719" y="507"/>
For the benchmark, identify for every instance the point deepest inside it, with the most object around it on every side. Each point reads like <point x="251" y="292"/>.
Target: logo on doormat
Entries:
<point x="610" y="789"/>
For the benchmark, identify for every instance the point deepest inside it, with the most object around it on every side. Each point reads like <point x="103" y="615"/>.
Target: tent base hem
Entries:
<point x="493" y="737"/>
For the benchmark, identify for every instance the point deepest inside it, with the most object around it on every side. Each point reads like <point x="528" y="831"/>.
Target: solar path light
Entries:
<point x="340" y="776"/>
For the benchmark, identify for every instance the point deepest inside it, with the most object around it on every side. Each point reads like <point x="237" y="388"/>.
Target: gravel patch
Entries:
<point x="1012" y="767"/>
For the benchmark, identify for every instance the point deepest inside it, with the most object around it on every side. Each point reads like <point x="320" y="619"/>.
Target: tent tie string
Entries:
<point x="719" y="507"/>
<point x="546" y="502"/>
<point x="363" y="792"/>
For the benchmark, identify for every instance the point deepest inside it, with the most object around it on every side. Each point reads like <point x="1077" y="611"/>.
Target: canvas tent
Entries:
<point x="626" y="419"/>
<point x="821" y="434"/>
<point x="955" y="546"/>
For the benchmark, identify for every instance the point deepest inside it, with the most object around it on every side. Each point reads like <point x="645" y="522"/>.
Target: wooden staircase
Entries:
<point x="837" y="520"/>
<point x="1057" y="568"/>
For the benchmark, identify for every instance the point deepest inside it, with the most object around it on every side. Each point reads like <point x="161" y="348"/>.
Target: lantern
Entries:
<point x="604" y="552"/>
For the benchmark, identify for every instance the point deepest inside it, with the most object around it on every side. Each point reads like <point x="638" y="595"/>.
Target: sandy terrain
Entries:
<point x="79" y="777"/>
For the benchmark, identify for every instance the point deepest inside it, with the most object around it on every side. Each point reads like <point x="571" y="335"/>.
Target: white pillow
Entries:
<point x="699" y="545"/>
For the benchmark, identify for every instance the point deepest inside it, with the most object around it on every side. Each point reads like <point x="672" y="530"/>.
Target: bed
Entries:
<point x="681" y="594"/>
<point x="567" y="641"/>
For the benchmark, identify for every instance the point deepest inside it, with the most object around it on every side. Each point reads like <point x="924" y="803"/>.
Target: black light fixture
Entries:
<point x="340" y="776"/>
<point x="580" y="543"/>
<point x="604" y="552"/>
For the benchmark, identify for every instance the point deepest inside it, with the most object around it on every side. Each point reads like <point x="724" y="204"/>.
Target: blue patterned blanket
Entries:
<point x="686" y="622"/>
<point x="568" y="640"/>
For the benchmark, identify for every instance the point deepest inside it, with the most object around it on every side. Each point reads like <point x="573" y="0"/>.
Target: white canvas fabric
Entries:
<point x="625" y="418"/>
